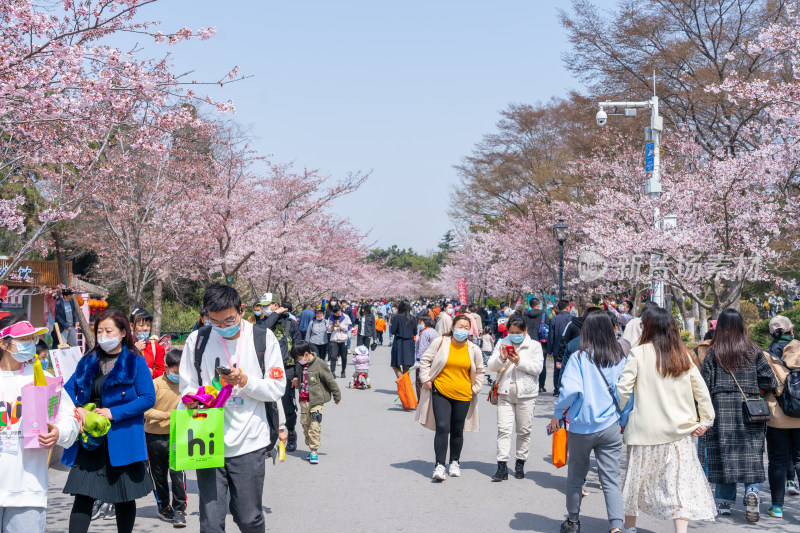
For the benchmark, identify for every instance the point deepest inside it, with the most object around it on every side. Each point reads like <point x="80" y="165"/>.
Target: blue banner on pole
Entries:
<point x="649" y="156"/>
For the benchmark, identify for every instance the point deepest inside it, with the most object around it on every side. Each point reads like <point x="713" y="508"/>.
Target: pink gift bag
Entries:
<point x="39" y="406"/>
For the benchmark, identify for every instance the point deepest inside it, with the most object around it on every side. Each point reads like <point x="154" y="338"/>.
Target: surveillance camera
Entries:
<point x="602" y="118"/>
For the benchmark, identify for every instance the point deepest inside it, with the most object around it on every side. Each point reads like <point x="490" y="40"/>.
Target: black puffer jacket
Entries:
<point x="533" y="319"/>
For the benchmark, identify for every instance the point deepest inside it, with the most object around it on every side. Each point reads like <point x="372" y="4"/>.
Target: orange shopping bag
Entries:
<point x="405" y="390"/>
<point x="560" y="448"/>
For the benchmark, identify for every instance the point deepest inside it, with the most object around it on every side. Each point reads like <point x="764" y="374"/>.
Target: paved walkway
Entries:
<point x="374" y="475"/>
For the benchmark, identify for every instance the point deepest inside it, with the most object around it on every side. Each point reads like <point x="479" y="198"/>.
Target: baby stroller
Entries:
<point x="361" y="374"/>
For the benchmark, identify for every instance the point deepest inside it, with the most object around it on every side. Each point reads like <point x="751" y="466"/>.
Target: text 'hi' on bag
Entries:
<point x="754" y="411"/>
<point x="196" y="439"/>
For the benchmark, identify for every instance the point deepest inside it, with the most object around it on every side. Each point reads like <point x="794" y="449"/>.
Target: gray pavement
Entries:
<point x="374" y="475"/>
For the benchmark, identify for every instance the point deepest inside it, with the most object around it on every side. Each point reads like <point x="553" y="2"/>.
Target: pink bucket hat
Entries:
<point x="21" y="329"/>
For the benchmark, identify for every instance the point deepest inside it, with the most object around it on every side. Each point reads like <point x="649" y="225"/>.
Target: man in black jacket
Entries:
<point x="279" y="320"/>
<point x="533" y="319"/>
<point x="66" y="318"/>
<point x="558" y="326"/>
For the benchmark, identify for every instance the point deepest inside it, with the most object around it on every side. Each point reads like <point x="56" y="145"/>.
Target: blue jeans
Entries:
<point x="701" y="453"/>
<point x="726" y="492"/>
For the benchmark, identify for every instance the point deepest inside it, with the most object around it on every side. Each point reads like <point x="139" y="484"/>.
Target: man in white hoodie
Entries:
<point x="230" y="345"/>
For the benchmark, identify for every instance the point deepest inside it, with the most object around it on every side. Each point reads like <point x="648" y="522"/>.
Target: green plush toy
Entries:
<point x="94" y="424"/>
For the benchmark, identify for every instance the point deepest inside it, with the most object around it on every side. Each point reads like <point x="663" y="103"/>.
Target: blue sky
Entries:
<point x="403" y="88"/>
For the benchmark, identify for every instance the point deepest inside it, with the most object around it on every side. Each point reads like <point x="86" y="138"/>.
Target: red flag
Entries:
<point x="462" y="290"/>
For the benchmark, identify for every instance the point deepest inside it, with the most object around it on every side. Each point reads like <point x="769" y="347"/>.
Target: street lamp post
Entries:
<point x="652" y="135"/>
<point x="560" y="233"/>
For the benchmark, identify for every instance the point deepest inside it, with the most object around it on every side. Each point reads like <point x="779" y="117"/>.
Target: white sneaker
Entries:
<point x="792" y="488"/>
<point x="629" y="530"/>
<point x="455" y="469"/>
<point x="439" y="473"/>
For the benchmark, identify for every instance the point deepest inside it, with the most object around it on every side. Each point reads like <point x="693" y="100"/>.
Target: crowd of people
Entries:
<point x="688" y="418"/>
<point x="622" y="379"/>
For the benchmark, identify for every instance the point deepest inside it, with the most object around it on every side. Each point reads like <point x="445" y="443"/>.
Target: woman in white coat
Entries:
<point x="451" y="371"/>
<point x="518" y="386"/>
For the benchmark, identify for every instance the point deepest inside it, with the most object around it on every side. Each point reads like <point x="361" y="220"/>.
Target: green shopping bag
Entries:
<point x="196" y="443"/>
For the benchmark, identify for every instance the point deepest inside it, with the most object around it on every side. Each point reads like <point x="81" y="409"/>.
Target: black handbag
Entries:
<point x="755" y="411"/>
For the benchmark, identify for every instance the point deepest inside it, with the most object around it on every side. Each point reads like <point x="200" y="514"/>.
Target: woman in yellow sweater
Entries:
<point x="664" y="477"/>
<point x="451" y="372"/>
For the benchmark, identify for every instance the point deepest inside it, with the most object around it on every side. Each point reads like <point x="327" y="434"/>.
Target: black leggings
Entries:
<point x="81" y="515"/>
<point x="780" y="444"/>
<point x="337" y="350"/>
<point x="450" y="416"/>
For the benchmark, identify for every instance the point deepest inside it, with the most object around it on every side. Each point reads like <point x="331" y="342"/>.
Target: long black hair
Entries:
<point x="599" y="342"/>
<point x="404" y="310"/>
<point x="731" y="346"/>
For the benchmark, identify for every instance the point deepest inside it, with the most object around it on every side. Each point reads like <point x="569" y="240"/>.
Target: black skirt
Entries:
<point x="92" y="475"/>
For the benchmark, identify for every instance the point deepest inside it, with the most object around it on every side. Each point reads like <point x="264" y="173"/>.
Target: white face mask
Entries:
<point x="108" y="343"/>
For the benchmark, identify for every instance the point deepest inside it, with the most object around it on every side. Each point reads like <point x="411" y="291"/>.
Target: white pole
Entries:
<point x="654" y="185"/>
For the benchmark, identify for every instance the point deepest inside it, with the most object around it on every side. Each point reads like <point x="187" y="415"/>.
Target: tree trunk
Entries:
<point x="86" y="329"/>
<point x="678" y="298"/>
<point x="158" y="297"/>
<point x="61" y="258"/>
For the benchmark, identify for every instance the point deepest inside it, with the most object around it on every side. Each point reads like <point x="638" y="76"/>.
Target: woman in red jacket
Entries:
<point x="153" y="352"/>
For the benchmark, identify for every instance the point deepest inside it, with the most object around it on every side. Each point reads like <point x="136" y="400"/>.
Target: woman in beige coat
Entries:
<point x="664" y="477"/>
<point x="451" y="371"/>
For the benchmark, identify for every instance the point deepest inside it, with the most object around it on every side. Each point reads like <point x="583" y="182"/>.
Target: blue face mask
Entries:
<point x="460" y="334"/>
<point x="142" y="336"/>
<point x="227" y="332"/>
<point x="25" y="351"/>
<point x="516" y="338"/>
<point x="175" y="378"/>
<point x="257" y="313"/>
<point x="420" y="327"/>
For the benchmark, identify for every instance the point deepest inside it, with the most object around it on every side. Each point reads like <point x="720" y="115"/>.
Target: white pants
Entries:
<point x="510" y="409"/>
<point x="22" y="519"/>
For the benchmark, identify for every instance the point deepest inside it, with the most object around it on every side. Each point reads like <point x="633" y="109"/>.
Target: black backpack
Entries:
<point x="260" y="344"/>
<point x="789" y="400"/>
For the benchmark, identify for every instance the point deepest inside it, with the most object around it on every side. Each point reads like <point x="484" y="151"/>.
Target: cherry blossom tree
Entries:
<point x="137" y="224"/>
<point x="66" y="99"/>
<point x="723" y="216"/>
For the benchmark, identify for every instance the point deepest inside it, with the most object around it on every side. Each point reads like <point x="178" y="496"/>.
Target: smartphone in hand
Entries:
<point x="510" y="350"/>
<point x="224" y="371"/>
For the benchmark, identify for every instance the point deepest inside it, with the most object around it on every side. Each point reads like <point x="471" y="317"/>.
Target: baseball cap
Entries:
<point x="780" y="322"/>
<point x="21" y="329"/>
<point x="266" y="299"/>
